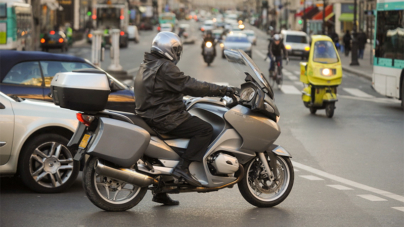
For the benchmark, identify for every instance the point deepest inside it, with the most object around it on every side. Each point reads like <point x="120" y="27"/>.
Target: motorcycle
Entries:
<point x="322" y="74"/>
<point x="127" y="157"/>
<point x="209" y="52"/>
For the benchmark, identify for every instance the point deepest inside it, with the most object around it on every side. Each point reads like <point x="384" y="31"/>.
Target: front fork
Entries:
<point x="273" y="151"/>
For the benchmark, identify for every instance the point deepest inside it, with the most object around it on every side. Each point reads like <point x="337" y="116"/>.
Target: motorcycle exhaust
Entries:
<point x="127" y="175"/>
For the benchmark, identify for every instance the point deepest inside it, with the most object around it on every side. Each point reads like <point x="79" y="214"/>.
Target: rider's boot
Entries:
<point x="271" y="74"/>
<point x="164" y="199"/>
<point x="181" y="170"/>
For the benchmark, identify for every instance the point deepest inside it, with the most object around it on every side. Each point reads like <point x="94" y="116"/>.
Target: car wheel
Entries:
<point x="46" y="165"/>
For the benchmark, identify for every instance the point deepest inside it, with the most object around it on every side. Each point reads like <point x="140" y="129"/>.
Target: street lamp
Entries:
<point x="354" y="55"/>
<point x="323" y="25"/>
<point x="304" y="17"/>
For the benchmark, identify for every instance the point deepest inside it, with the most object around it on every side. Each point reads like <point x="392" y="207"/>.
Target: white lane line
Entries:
<point x="297" y="72"/>
<point x="349" y="182"/>
<point x="133" y="70"/>
<point x="299" y="83"/>
<point x="289" y="89"/>
<point x="339" y="187"/>
<point x="358" y="93"/>
<point x="399" y="208"/>
<point x="292" y="78"/>
<point x="261" y="55"/>
<point x="372" y="198"/>
<point x="378" y="100"/>
<point x="311" y="177"/>
<point x="287" y="72"/>
<point x="296" y="170"/>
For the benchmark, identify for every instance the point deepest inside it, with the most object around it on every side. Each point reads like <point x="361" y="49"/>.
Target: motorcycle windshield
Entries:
<point x="245" y="65"/>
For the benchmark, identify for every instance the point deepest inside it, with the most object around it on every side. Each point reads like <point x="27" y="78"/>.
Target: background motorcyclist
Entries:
<point x="275" y="52"/>
<point x="209" y="38"/>
<point x="160" y="87"/>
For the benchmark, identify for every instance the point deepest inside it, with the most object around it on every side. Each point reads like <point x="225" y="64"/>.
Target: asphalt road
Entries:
<point x="349" y="170"/>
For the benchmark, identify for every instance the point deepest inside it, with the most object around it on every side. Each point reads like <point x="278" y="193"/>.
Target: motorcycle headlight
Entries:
<point x="208" y="44"/>
<point x="247" y="94"/>
<point x="326" y="72"/>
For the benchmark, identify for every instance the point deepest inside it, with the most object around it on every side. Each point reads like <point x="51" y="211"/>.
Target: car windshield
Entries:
<point x="296" y="39"/>
<point x="244" y="65"/>
<point x="237" y="39"/>
<point x="324" y="52"/>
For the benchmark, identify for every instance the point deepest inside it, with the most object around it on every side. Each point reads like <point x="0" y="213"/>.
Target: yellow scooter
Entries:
<point x="322" y="74"/>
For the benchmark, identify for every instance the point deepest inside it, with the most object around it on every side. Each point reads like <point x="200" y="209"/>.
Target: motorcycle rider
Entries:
<point x="209" y="38"/>
<point x="160" y="87"/>
<point x="275" y="52"/>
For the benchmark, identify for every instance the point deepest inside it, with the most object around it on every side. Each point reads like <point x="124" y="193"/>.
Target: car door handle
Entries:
<point x="2" y="144"/>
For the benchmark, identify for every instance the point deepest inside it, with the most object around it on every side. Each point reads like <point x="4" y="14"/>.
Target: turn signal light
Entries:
<point x="85" y="119"/>
<point x="288" y="47"/>
<point x="307" y="48"/>
<point x="42" y="40"/>
<point x="208" y="44"/>
<point x="61" y="40"/>
<point x="90" y="36"/>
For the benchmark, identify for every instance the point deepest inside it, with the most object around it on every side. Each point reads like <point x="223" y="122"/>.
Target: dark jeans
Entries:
<point x="360" y="53"/>
<point x="200" y="132"/>
<point x="277" y="58"/>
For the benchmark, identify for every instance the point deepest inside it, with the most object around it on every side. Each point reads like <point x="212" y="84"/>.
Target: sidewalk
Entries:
<point x="364" y="69"/>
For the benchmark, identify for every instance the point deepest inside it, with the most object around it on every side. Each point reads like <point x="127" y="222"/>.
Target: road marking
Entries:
<point x="299" y="83"/>
<point x="349" y="182"/>
<point x="399" y="208"/>
<point x="133" y="70"/>
<point x="292" y="78"/>
<point x="296" y="170"/>
<point x="358" y="93"/>
<point x="287" y="73"/>
<point x="378" y="100"/>
<point x="297" y="72"/>
<point x="311" y="177"/>
<point x="289" y="89"/>
<point x="261" y="55"/>
<point x="372" y="198"/>
<point x="339" y="187"/>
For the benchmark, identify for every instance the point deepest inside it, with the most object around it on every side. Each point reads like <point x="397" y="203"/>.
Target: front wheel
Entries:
<point x="329" y="109"/>
<point x="261" y="189"/>
<point x="108" y="193"/>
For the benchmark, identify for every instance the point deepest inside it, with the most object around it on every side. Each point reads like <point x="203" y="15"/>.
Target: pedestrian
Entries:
<point x="334" y="36"/>
<point x="347" y="42"/>
<point x="362" y="40"/>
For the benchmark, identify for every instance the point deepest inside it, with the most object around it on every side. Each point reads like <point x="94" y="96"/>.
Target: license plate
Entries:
<point x="298" y="52"/>
<point x="84" y="141"/>
<point x="51" y="41"/>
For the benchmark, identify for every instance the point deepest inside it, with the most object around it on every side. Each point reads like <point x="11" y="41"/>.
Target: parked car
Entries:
<point x="251" y="36"/>
<point x="133" y="33"/>
<point x="28" y="74"/>
<point x="145" y="26"/>
<point x="33" y="143"/>
<point x="296" y="43"/>
<point x="167" y="27"/>
<point x="237" y="41"/>
<point x="54" y="40"/>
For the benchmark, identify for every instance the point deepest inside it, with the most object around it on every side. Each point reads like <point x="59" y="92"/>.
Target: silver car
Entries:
<point x="33" y="139"/>
<point x="238" y="41"/>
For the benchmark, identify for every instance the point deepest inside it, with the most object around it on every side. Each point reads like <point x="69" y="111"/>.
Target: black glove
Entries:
<point x="232" y="91"/>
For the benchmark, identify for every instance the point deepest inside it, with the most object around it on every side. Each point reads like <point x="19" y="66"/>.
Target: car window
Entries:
<point x="296" y="39"/>
<point x="50" y="68"/>
<point x="24" y="73"/>
<point x="238" y="39"/>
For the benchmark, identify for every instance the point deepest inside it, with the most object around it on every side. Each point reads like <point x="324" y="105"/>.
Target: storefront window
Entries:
<point x="390" y="34"/>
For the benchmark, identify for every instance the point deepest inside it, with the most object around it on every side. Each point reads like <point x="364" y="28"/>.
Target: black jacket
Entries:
<point x="276" y="50"/>
<point x="160" y="87"/>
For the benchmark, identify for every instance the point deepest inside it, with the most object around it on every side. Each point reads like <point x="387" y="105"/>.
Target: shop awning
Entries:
<point x="300" y="13"/>
<point x="327" y="18"/>
<point x="346" y="17"/>
<point x="311" y="13"/>
<point x="319" y="15"/>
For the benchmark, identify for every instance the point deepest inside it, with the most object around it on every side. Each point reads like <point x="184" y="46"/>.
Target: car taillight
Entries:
<point x="90" y="36"/>
<point x="158" y="28"/>
<point x="122" y="33"/>
<point x="52" y="32"/>
<point x="42" y="40"/>
<point x="85" y="119"/>
<point x="61" y="40"/>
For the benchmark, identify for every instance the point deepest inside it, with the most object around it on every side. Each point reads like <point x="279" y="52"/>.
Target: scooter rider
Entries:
<point x="160" y="87"/>
<point x="275" y="52"/>
<point x="209" y="38"/>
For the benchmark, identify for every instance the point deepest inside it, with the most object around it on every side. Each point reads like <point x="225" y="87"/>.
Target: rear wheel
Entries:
<point x="108" y="193"/>
<point x="261" y="189"/>
<point x="329" y="109"/>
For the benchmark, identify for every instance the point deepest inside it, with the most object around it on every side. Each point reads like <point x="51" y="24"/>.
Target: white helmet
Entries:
<point x="277" y="37"/>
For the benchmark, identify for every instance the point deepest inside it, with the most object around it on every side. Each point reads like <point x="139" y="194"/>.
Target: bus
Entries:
<point x="165" y="18"/>
<point x="388" y="64"/>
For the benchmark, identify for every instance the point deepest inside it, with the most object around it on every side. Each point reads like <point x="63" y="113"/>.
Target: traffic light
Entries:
<point x="300" y="22"/>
